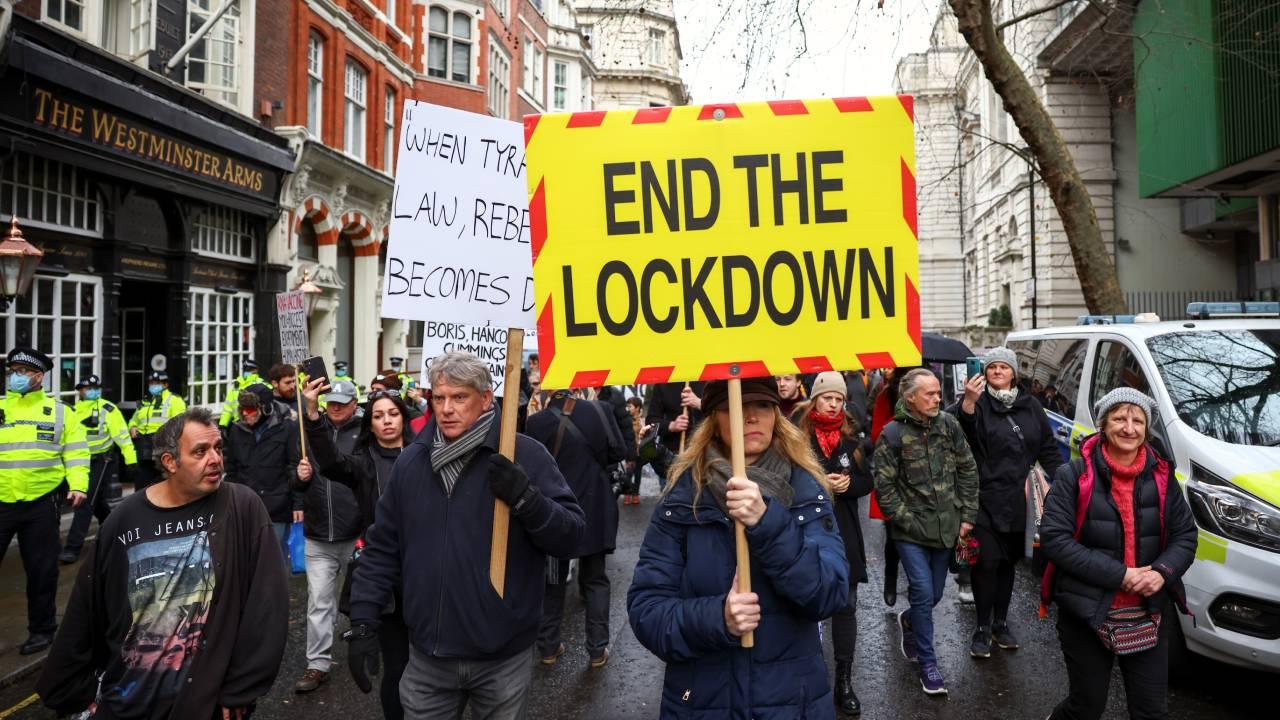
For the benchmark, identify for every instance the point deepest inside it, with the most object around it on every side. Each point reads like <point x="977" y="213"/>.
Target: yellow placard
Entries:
<point x="716" y="241"/>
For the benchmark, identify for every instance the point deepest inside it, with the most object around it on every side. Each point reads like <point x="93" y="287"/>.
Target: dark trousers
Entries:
<point x="145" y="474"/>
<point x="891" y="562"/>
<point x="102" y="474"/>
<point x="594" y="584"/>
<point x="36" y="525"/>
<point x="844" y="627"/>
<point x="393" y="639"/>
<point x="1146" y="674"/>
<point x="992" y="576"/>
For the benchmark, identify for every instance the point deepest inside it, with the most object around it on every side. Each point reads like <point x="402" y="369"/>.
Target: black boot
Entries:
<point x="846" y="699"/>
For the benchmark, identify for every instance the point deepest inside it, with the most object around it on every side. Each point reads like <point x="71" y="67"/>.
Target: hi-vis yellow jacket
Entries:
<point x="231" y="404"/>
<point x="111" y="428"/>
<point x="41" y="445"/>
<point x="153" y="412"/>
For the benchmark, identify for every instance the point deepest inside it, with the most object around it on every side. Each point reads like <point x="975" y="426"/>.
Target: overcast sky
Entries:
<point x="754" y="49"/>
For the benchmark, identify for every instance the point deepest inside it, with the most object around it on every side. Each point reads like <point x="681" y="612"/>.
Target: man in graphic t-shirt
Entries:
<point x="142" y="614"/>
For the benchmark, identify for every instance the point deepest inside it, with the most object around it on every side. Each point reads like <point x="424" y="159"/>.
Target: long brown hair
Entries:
<point x="787" y="440"/>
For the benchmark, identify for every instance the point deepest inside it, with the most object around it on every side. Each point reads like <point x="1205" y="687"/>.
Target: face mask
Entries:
<point x="155" y="389"/>
<point x="19" y="383"/>
<point x="93" y="394"/>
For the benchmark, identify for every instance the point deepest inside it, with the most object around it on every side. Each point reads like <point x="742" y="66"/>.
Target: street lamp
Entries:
<point x="18" y="261"/>
<point x="310" y="291"/>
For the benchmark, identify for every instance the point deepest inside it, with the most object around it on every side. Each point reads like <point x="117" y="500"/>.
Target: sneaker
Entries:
<point x="908" y="637"/>
<point x="980" y="646"/>
<point x="312" y="679"/>
<point x="601" y="660"/>
<point x="68" y="557"/>
<point x="553" y="657"/>
<point x="966" y="594"/>
<point x="1004" y="637"/>
<point x="931" y="679"/>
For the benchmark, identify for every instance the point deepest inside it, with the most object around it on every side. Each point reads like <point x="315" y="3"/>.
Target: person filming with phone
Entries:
<point x="1008" y="433"/>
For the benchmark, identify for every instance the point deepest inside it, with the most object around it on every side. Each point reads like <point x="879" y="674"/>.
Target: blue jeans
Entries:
<point x="282" y="535"/>
<point x="926" y="570"/>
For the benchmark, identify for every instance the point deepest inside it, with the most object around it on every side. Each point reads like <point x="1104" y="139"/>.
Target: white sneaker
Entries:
<point x="966" y="594"/>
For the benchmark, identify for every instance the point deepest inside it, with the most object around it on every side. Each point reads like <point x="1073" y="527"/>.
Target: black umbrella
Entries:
<point x="942" y="349"/>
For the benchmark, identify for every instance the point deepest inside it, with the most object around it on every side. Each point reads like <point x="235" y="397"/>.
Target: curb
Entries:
<point x="24" y="671"/>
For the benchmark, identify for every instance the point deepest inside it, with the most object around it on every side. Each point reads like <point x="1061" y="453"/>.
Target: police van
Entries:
<point x="1216" y="380"/>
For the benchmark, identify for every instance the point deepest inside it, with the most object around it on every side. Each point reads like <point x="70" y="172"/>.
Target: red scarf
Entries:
<point x="1122" y="489"/>
<point x="827" y="429"/>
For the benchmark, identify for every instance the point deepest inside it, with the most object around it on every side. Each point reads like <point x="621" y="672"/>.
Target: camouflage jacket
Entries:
<point x="929" y="484"/>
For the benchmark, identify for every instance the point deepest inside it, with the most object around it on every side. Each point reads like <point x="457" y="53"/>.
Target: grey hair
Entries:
<point x="460" y="368"/>
<point x="169" y="437"/>
<point x="912" y="380"/>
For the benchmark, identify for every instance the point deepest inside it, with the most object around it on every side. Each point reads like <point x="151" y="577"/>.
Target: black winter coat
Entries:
<point x="580" y="464"/>
<point x="1004" y="458"/>
<point x="268" y="463"/>
<point x="664" y="407"/>
<point x="1089" y="571"/>
<point x="358" y="470"/>
<point x="613" y="398"/>
<point x="330" y="510"/>
<point x="857" y="464"/>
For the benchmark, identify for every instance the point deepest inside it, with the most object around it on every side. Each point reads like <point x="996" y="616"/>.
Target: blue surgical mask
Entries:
<point x="19" y="383"/>
<point x="155" y="389"/>
<point x="93" y="394"/>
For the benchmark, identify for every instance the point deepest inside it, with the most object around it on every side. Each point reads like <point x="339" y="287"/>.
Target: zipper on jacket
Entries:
<point x="685" y="696"/>
<point x="444" y="553"/>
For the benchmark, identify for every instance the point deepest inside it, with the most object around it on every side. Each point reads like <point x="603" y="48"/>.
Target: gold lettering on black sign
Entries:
<point x="111" y="130"/>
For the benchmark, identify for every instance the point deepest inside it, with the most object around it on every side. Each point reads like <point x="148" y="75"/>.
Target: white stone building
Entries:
<point x="571" y="72"/>
<point x="974" y="184"/>
<point x="635" y="46"/>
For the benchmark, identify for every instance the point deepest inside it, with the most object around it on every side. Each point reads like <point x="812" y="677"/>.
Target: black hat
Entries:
<point x="258" y="396"/>
<point x="249" y="364"/>
<point x="159" y="375"/>
<point x="31" y="357"/>
<point x="91" y="381"/>
<point x="397" y="362"/>
<point x="340" y="365"/>
<point x="715" y="395"/>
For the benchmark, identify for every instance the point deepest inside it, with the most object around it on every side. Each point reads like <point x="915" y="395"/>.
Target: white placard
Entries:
<point x="291" y="307"/>
<point x="487" y="342"/>
<point x="459" y="246"/>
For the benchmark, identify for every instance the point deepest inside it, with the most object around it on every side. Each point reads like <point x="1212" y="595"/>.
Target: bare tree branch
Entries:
<point x="1031" y="13"/>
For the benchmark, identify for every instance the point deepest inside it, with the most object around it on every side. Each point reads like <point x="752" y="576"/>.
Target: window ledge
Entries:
<point x="452" y="83"/>
<point x="532" y="101"/>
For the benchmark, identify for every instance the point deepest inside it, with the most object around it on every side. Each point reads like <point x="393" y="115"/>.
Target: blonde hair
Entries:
<point x="787" y="440"/>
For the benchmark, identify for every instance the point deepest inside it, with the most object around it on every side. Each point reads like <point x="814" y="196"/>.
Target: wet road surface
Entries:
<point x="1020" y="685"/>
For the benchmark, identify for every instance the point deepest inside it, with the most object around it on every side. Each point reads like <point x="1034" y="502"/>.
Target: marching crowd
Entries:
<point x="181" y="608"/>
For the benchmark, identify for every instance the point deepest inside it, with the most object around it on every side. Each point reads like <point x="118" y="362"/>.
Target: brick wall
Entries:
<point x="271" y="60"/>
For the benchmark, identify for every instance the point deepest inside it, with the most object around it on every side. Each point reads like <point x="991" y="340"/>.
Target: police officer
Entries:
<point x="341" y="374"/>
<point x="248" y="376"/>
<point x="105" y="429"/>
<point x="406" y="380"/>
<point x="151" y="414"/>
<point x="41" y="447"/>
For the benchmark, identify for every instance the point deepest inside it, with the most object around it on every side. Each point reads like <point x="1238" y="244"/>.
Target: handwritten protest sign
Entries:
<point x="720" y="241"/>
<point x="487" y="342"/>
<point x="291" y="307"/>
<point x="459" y="245"/>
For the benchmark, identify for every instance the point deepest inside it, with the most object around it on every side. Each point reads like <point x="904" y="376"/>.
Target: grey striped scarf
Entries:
<point x="449" y="459"/>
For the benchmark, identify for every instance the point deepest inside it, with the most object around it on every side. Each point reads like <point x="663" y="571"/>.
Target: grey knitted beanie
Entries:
<point x="1000" y="354"/>
<point x="1120" y="396"/>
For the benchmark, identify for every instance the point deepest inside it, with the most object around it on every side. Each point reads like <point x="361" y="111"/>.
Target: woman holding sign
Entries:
<point x="845" y="453"/>
<point x="684" y="602"/>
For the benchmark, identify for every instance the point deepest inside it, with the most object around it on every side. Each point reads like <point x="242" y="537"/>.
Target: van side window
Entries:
<point x="1058" y="367"/>
<point x="1116" y="366"/>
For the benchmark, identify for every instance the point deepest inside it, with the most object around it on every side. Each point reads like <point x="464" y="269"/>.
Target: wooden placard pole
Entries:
<point x="506" y="446"/>
<point x="738" y="459"/>
<point x="684" y="412"/>
<point x="297" y="394"/>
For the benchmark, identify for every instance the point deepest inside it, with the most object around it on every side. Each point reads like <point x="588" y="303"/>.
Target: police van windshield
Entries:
<point x="1224" y="383"/>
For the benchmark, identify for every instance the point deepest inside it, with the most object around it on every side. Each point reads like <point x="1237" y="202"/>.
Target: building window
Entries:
<point x="315" y="84"/>
<point x="531" y="75"/>
<point x="139" y="27"/>
<point x="499" y="77"/>
<point x="389" y="131"/>
<point x="59" y="316"/>
<point x="221" y="333"/>
<point x="223" y="232"/>
<point x="308" y="242"/>
<point x="355" y="110"/>
<point x="657" y="47"/>
<point x="539" y="61"/>
<point x="560" y="86"/>
<point x="449" y="49"/>
<point x="47" y="193"/>
<point x="391" y="12"/>
<point x="67" y="13"/>
<point x="213" y="67"/>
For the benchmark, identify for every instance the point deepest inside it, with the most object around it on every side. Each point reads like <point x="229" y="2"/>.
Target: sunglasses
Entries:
<point x="379" y="394"/>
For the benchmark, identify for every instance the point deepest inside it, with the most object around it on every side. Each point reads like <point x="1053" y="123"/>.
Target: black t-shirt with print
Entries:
<point x="159" y="581"/>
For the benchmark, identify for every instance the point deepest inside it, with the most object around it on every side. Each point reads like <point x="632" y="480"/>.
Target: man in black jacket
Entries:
<point x="263" y="452"/>
<point x="667" y="405"/>
<point x="469" y="644"/>
<point x="584" y="441"/>
<point x="331" y="523"/>
<point x="142" y="636"/>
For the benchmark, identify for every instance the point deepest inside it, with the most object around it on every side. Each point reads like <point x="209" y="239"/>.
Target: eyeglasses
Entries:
<point x="379" y="394"/>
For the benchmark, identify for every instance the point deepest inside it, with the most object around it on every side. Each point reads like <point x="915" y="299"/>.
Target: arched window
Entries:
<point x="308" y="243"/>
<point x="449" y="45"/>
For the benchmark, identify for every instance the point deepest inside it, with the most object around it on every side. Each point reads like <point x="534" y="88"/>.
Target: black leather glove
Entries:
<point x="508" y="481"/>
<point x="363" y="652"/>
